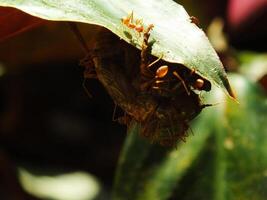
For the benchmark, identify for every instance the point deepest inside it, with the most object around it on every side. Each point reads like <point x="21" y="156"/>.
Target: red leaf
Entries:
<point x="13" y="22"/>
<point x="239" y="11"/>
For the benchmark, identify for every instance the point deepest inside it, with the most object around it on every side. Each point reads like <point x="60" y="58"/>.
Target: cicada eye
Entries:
<point x="162" y="71"/>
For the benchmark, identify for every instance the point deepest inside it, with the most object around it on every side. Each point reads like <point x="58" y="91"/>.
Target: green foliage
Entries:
<point x="174" y="37"/>
<point x="253" y="65"/>
<point x="225" y="159"/>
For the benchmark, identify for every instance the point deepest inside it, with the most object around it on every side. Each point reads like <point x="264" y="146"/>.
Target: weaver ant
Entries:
<point x="194" y="20"/>
<point x="164" y="80"/>
<point x="137" y="24"/>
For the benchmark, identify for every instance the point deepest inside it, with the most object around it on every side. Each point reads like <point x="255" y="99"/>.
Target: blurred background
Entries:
<point x="52" y="134"/>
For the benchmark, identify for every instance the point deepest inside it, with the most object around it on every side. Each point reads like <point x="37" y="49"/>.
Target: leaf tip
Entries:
<point x="232" y="93"/>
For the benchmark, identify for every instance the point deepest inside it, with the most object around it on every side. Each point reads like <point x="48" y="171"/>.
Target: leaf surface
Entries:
<point x="225" y="159"/>
<point x="174" y="37"/>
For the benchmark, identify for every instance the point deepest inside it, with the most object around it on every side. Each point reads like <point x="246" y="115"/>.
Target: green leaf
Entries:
<point x="147" y="171"/>
<point x="225" y="159"/>
<point x="233" y="163"/>
<point x="253" y="65"/>
<point x="174" y="36"/>
<point x="134" y="153"/>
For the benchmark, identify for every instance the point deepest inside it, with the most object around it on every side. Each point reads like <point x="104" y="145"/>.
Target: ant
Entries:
<point x="198" y="82"/>
<point x="194" y="20"/>
<point x="147" y="76"/>
<point x="133" y="24"/>
<point x="165" y="74"/>
<point x="162" y="71"/>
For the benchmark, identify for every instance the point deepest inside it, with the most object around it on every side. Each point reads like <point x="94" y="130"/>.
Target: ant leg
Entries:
<point x="146" y="74"/>
<point x="175" y="73"/>
<point x="144" y="52"/>
<point x="154" y="62"/>
<point x="145" y="48"/>
<point x="193" y="71"/>
<point x="131" y="16"/>
<point x="128" y="20"/>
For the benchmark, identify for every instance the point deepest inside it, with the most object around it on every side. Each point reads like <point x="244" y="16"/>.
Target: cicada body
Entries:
<point x="164" y="112"/>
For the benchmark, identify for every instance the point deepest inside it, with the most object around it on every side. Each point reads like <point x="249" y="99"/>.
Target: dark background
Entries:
<point x="46" y="118"/>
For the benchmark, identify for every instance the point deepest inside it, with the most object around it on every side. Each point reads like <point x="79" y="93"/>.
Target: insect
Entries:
<point x="149" y="80"/>
<point x="165" y="78"/>
<point x="172" y="73"/>
<point x="194" y="20"/>
<point x="136" y="24"/>
<point x="128" y="21"/>
<point x="163" y="112"/>
<point x="196" y="81"/>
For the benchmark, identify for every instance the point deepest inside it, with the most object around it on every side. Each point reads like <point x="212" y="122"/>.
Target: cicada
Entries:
<point x="162" y="103"/>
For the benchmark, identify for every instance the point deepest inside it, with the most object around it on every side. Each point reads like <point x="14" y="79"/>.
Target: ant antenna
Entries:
<point x="175" y="73"/>
<point x="155" y="61"/>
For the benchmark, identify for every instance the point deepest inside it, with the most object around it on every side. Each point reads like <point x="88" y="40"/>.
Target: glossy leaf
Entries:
<point x="174" y="37"/>
<point x="234" y="162"/>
